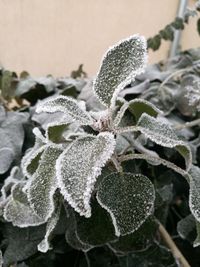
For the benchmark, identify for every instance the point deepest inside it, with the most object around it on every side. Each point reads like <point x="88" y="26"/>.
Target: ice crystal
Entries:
<point x="18" y="210"/>
<point x="129" y="199"/>
<point x="78" y="167"/>
<point x="119" y="66"/>
<point x="162" y="134"/>
<point x="66" y="105"/>
<point x="43" y="184"/>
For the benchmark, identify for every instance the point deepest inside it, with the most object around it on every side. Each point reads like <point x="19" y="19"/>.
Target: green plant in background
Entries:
<point x="179" y="23"/>
<point x="112" y="162"/>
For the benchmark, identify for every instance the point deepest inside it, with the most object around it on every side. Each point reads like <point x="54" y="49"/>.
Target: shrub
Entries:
<point x="108" y="167"/>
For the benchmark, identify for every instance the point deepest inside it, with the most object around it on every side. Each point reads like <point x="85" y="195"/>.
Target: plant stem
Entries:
<point x="172" y="246"/>
<point x="187" y="124"/>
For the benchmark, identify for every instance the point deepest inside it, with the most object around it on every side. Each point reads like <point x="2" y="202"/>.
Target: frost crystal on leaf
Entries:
<point x="44" y="245"/>
<point x="119" y="67"/>
<point x="66" y="105"/>
<point x="42" y="186"/>
<point x="78" y="167"/>
<point x="18" y="210"/>
<point x="162" y="134"/>
<point x="129" y="199"/>
<point x="194" y="196"/>
<point x="1" y="259"/>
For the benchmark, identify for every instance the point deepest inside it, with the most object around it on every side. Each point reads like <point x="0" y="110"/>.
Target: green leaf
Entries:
<point x="154" y="42"/>
<point x="139" y="106"/>
<point x="43" y="184"/>
<point x="178" y="24"/>
<point x="186" y="228"/>
<point x="18" y="210"/>
<point x="128" y="198"/>
<point x="96" y="230"/>
<point x="78" y="167"/>
<point x="162" y="134"/>
<point x="66" y="105"/>
<point x="54" y="132"/>
<point x="120" y="65"/>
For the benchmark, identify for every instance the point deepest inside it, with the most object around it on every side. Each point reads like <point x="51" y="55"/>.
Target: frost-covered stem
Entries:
<point x="164" y="162"/>
<point x="126" y="129"/>
<point x="120" y="114"/>
<point x="171" y="76"/>
<point x="187" y="124"/>
<point x="116" y="163"/>
<point x="180" y="259"/>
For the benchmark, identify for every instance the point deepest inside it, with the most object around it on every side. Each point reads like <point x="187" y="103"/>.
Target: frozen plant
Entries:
<point x="78" y="162"/>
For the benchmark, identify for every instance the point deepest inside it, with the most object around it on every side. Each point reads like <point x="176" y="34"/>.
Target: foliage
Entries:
<point x="179" y="23"/>
<point x="90" y="171"/>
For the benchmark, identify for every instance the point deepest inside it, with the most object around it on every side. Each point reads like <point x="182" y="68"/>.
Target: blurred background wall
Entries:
<point x="55" y="36"/>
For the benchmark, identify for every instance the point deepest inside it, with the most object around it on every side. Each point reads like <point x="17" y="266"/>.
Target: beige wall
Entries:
<point x="55" y="36"/>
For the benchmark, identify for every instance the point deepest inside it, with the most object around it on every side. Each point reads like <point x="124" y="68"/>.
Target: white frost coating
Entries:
<point x="66" y="105"/>
<point x="194" y="194"/>
<point x="128" y="198"/>
<point x="78" y="167"/>
<point x="44" y="245"/>
<point x="119" y="66"/>
<point x="120" y="114"/>
<point x="162" y="134"/>
<point x="43" y="184"/>
<point x="38" y="134"/>
<point x="18" y="211"/>
<point x="10" y="181"/>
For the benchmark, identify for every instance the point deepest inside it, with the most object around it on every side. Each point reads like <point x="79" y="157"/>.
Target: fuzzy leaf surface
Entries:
<point x="79" y="166"/>
<point x="43" y="184"/>
<point x="119" y="66"/>
<point x="162" y="134"/>
<point x="128" y="198"/>
<point x="68" y="106"/>
<point x="18" y="210"/>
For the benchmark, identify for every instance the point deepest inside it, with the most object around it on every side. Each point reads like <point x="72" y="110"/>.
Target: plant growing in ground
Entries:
<point x="93" y="173"/>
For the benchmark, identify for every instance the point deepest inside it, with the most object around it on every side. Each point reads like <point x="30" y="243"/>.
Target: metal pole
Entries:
<point x="177" y="34"/>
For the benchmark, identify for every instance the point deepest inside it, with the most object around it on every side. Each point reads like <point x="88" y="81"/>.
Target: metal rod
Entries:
<point x="177" y="34"/>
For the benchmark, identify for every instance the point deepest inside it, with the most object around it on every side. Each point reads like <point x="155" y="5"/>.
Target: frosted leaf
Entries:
<point x="1" y="259"/>
<point x="194" y="195"/>
<point x="139" y="106"/>
<point x="162" y="134"/>
<point x="30" y="161"/>
<point x="18" y="210"/>
<point x="78" y="167"/>
<point x="7" y="156"/>
<point x="15" y="177"/>
<point x="55" y="131"/>
<point x="44" y="245"/>
<point x="66" y="105"/>
<point x="119" y="66"/>
<point x="42" y="186"/>
<point x="128" y="198"/>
